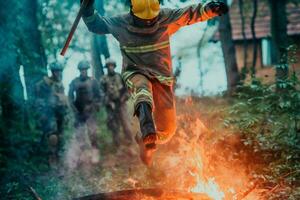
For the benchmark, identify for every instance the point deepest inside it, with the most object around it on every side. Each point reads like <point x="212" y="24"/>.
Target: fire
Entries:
<point x="209" y="187"/>
<point x="195" y="162"/>
<point x="198" y="165"/>
<point x="184" y="156"/>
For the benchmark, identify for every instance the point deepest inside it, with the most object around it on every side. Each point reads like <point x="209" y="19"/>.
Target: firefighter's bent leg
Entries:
<point x="141" y="92"/>
<point x="140" y="88"/>
<point x="164" y="111"/>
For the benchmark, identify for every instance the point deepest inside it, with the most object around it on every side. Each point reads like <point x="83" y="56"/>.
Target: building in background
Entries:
<point x="265" y="54"/>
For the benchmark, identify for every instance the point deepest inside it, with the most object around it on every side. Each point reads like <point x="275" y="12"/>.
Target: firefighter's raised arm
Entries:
<point x="177" y="18"/>
<point x="94" y="22"/>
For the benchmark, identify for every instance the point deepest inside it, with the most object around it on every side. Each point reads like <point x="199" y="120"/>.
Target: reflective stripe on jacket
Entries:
<point x="147" y="50"/>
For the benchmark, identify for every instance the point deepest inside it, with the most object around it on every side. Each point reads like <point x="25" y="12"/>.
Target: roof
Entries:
<point x="262" y="26"/>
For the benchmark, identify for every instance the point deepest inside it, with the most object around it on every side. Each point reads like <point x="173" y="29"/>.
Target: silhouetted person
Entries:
<point x="84" y="95"/>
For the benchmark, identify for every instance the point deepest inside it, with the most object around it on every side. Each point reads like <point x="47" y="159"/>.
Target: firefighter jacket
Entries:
<point x="147" y="50"/>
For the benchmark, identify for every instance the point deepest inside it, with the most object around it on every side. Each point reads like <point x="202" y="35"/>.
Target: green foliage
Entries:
<point x="56" y="18"/>
<point x="54" y="24"/>
<point x="269" y="122"/>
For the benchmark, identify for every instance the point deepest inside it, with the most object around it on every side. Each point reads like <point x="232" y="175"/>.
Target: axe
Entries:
<point x="74" y="27"/>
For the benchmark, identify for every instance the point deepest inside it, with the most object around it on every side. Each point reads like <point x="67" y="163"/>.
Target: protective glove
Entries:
<point x="216" y="8"/>
<point x="89" y="9"/>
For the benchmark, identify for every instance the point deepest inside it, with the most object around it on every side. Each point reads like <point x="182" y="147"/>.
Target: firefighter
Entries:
<point x="84" y="96"/>
<point x="144" y="36"/>
<point x="115" y="97"/>
<point x="52" y="106"/>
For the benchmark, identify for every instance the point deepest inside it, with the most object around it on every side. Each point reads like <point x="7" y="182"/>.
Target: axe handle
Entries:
<point x="74" y="27"/>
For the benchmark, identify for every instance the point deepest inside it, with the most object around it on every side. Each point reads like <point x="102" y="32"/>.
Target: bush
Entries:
<point x="268" y="120"/>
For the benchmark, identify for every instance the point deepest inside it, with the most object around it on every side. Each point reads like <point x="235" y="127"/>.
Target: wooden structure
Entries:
<point x="146" y="194"/>
<point x="263" y="34"/>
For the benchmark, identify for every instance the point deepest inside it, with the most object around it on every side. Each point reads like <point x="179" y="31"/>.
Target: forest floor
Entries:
<point x="203" y="157"/>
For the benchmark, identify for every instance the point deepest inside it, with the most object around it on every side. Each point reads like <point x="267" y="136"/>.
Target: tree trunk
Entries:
<point x="245" y="42"/>
<point x="33" y="54"/>
<point x="99" y="47"/>
<point x="228" y="52"/>
<point x="254" y="39"/>
<point x="203" y="72"/>
<point x="11" y="90"/>
<point x="279" y="37"/>
<point x="96" y="57"/>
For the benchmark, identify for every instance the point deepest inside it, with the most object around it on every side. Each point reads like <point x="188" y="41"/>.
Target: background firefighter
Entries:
<point x="84" y="96"/>
<point x="115" y="97"/>
<point x="52" y="105"/>
<point x="144" y="36"/>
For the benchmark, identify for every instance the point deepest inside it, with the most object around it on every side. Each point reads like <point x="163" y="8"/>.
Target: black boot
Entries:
<point x="147" y="126"/>
<point x="146" y="140"/>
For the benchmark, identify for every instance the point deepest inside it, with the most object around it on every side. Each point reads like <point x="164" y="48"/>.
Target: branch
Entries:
<point x="34" y="193"/>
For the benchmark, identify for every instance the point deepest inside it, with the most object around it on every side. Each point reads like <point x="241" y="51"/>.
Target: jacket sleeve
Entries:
<point x="98" y="24"/>
<point x="177" y="18"/>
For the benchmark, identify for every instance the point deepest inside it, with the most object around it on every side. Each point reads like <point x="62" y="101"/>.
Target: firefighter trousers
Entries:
<point x="161" y="98"/>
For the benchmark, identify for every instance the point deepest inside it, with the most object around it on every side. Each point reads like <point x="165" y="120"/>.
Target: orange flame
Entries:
<point x="209" y="187"/>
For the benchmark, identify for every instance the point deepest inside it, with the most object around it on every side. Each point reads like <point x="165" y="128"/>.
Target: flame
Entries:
<point x="197" y="156"/>
<point x="209" y="187"/>
<point x="185" y="160"/>
<point x="195" y="160"/>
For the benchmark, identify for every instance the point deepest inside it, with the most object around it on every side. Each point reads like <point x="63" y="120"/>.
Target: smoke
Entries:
<point x="80" y="152"/>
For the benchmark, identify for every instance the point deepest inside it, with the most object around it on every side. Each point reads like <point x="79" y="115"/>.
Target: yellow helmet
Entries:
<point x="145" y="9"/>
